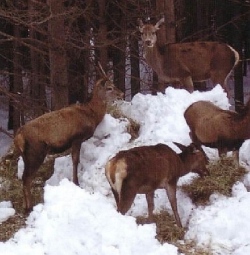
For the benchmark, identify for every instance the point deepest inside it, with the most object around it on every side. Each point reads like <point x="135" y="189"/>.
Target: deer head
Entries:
<point x="148" y="32"/>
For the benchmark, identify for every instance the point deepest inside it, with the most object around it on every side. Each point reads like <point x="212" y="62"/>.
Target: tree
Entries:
<point x="57" y="55"/>
<point x="37" y="81"/>
<point x="58" y="43"/>
<point x="169" y="7"/>
<point x="117" y="23"/>
<point x="16" y="84"/>
<point x="135" y="65"/>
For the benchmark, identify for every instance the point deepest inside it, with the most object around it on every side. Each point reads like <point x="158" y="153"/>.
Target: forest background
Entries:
<point x="49" y="48"/>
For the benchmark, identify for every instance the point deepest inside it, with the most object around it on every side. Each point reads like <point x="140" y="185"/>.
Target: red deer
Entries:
<point x="59" y="130"/>
<point x="216" y="128"/>
<point x="185" y="63"/>
<point x="142" y="170"/>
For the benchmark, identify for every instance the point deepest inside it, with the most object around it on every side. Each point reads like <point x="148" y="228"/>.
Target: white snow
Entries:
<point x="4" y="139"/>
<point x="6" y="210"/>
<point x="83" y="220"/>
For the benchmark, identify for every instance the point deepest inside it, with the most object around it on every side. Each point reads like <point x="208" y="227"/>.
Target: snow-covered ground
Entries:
<point x="4" y="139"/>
<point x="83" y="220"/>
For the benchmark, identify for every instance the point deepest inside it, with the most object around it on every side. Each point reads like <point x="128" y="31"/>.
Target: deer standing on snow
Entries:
<point x="147" y="168"/>
<point x="217" y="128"/>
<point x="62" y="129"/>
<point x="185" y="63"/>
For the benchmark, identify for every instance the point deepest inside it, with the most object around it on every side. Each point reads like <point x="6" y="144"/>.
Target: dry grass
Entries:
<point x="133" y="127"/>
<point x="166" y="228"/>
<point x="191" y="249"/>
<point x="223" y="174"/>
<point x="167" y="231"/>
<point x="11" y="190"/>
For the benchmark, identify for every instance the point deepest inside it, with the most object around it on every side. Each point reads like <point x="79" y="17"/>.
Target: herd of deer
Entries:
<point x="147" y="168"/>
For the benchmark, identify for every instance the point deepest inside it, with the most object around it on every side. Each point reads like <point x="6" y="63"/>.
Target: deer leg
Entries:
<point x="27" y="180"/>
<point x="161" y="87"/>
<point x="171" y="193"/>
<point x="222" y="151"/>
<point x="75" y="153"/>
<point x="115" y="193"/>
<point x="127" y="196"/>
<point x="220" y="78"/>
<point x="150" y="201"/>
<point x="32" y="161"/>
<point x="187" y="82"/>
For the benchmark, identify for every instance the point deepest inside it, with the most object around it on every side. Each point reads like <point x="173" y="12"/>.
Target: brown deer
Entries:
<point x="185" y="63"/>
<point x="217" y="128"/>
<point x="62" y="129"/>
<point x="147" y="168"/>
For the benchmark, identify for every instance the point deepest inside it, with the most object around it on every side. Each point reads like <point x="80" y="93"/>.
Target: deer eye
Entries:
<point x="109" y="88"/>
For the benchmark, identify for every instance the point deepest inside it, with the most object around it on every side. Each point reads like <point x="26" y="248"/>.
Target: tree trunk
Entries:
<point x="236" y="32"/>
<point x="119" y="48"/>
<point x="135" y="66"/>
<point x="166" y="34"/>
<point x="77" y="85"/>
<point x="57" y="53"/>
<point x="170" y="21"/>
<point x="37" y="85"/>
<point x="16" y="84"/>
<point x="162" y="34"/>
<point x="102" y="34"/>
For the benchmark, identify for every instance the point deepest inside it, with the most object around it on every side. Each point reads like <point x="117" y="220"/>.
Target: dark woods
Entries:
<point x="49" y="49"/>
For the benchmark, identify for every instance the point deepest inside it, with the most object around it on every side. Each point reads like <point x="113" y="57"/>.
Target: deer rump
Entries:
<point x="200" y="60"/>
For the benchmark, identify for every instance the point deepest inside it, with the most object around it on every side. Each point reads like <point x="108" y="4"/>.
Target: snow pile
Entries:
<point x="6" y="210"/>
<point x="224" y="225"/>
<point x="73" y="221"/>
<point x="84" y="220"/>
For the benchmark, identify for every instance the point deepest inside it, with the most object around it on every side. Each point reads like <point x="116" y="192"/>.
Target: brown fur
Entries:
<point x="217" y="128"/>
<point x="59" y="130"/>
<point x="148" y="168"/>
<point x="186" y="63"/>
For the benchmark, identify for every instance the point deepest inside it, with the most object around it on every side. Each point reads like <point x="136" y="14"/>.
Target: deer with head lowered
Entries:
<point x="62" y="129"/>
<point x="214" y="127"/>
<point x="185" y="63"/>
<point x="142" y="170"/>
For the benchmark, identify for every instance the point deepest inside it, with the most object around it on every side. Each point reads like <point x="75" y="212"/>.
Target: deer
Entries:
<point x="142" y="170"/>
<point x="60" y="130"/>
<point x="186" y="63"/>
<point x="211" y="126"/>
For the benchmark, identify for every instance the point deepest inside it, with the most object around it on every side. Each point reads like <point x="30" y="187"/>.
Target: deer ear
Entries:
<point x="157" y="25"/>
<point x="180" y="146"/>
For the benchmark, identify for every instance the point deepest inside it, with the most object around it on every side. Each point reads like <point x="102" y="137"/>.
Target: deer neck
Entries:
<point x="187" y="166"/>
<point x="97" y="107"/>
<point x="153" y="56"/>
<point x="242" y="128"/>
